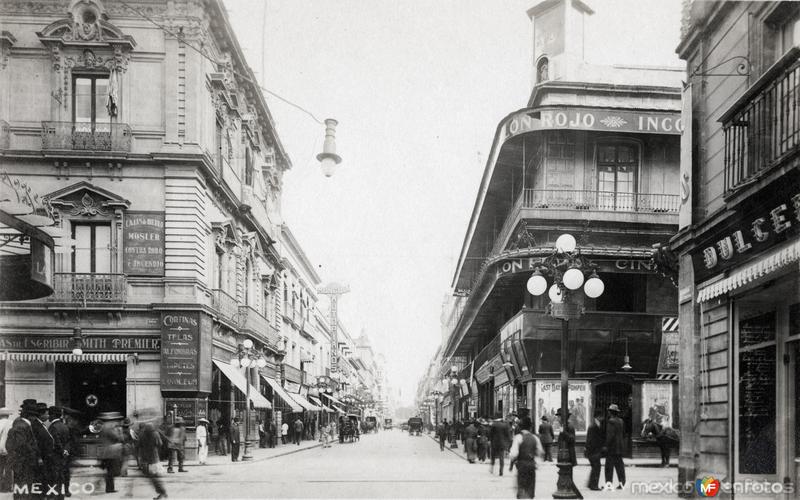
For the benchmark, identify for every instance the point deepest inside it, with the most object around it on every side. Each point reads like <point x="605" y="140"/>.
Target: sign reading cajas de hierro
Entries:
<point x="758" y="225"/>
<point x="143" y="244"/>
<point x="180" y="351"/>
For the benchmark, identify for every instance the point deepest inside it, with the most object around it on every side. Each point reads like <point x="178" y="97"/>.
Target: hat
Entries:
<point x="126" y="422"/>
<point x="5" y="411"/>
<point x="71" y="412"/>
<point x="110" y="415"/>
<point x="55" y="411"/>
<point x="544" y="417"/>
<point x="41" y="407"/>
<point x="613" y="407"/>
<point x="558" y="413"/>
<point x="201" y="419"/>
<point x="28" y="406"/>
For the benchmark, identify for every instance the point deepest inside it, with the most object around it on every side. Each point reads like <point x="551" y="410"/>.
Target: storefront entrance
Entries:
<point x="620" y="394"/>
<point x="91" y="388"/>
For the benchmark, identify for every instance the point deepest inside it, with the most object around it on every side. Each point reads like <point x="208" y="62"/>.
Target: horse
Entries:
<point x="662" y="437"/>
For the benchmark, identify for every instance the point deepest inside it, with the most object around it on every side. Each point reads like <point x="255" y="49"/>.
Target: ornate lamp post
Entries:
<point x="567" y="268"/>
<point x="248" y="357"/>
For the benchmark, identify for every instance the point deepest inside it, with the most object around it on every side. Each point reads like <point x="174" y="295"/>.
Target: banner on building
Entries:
<point x="548" y="401"/>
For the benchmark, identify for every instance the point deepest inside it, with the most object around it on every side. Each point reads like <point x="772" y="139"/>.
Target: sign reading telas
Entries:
<point x="608" y="120"/>
<point x="180" y="350"/>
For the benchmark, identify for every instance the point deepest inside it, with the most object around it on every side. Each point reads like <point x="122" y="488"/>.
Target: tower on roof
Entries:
<point x="558" y="38"/>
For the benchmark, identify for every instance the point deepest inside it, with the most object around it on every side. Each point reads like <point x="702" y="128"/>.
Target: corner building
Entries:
<point x="157" y="150"/>
<point x="739" y="244"/>
<point x="595" y="154"/>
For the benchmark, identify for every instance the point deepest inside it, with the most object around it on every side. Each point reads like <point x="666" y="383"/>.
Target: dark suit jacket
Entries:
<point x="615" y="436"/>
<point x="500" y="435"/>
<point x="594" y="442"/>
<point x="23" y="453"/>
<point x="546" y="435"/>
<point x="45" y="442"/>
<point x="235" y="437"/>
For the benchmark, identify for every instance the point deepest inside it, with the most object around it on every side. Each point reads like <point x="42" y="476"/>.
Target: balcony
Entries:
<point x="762" y="129"/>
<point x="89" y="288"/>
<point x="102" y="137"/>
<point x="252" y="321"/>
<point x="5" y="135"/>
<point x="225" y="305"/>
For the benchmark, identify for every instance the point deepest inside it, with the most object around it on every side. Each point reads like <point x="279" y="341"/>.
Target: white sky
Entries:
<point x="418" y="88"/>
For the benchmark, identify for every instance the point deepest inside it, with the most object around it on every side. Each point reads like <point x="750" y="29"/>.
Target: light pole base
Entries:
<point x="246" y="456"/>
<point x="565" y="486"/>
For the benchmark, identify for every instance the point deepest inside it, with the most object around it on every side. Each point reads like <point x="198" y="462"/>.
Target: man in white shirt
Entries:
<point x="524" y="449"/>
<point x="5" y="471"/>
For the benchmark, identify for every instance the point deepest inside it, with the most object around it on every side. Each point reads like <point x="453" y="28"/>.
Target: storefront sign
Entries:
<point x="528" y="264"/>
<point x="91" y="343"/>
<point x="757" y="226"/>
<point x="143" y="244"/>
<point x="180" y="348"/>
<point x="657" y="402"/>
<point x="548" y="401"/>
<point x="189" y="409"/>
<point x="607" y="120"/>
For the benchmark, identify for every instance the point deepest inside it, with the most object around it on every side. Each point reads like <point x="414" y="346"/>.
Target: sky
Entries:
<point x="418" y="87"/>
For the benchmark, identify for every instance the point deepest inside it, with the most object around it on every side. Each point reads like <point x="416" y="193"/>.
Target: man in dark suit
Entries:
<point x="235" y="440"/>
<point x="23" y="454"/>
<point x="615" y="446"/>
<point x="547" y="437"/>
<point x="595" y="443"/>
<point x="500" y="441"/>
<point x="47" y="472"/>
<point x="61" y="443"/>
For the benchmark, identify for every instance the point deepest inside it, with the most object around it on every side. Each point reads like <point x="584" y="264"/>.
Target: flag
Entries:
<point x="113" y="94"/>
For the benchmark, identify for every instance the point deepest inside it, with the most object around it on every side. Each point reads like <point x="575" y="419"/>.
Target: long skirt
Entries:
<point x="202" y="451"/>
<point x="472" y="449"/>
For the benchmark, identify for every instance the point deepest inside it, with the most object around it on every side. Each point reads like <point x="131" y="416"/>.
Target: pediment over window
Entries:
<point x="86" y="199"/>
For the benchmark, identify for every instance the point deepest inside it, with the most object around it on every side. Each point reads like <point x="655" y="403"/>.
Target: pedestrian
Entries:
<point x="273" y="434"/>
<point x="298" y="430"/>
<point x="110" y="450"/>
<point x="615" y="447"/>
<point x="23" y="453"/>
<point x="441" y="433"/>
<point x="5" y="469"/>
<point x="177" y="445"/>
<point x="224" y="437"/>
<point x="325" y="435"/>
<point x="451" y="433"/>
<point x="213" y="431"/>
<point x="593" y="450"/>
<point x="149" y="446"/>
<point x="61" y="444"/>
<point x="524" y="449"/>
<point x="500" y="441"/>
<point x="471" y="442"/>
<point x="47" y="472"/>
<point x="235" y="439"/>
<point x="201" y="433"/>
<point x="284" y="432"/>
<point x="483" y="443"/>
<point x="547" y="437"/>
<point x="262" y="434"/>
<point x="72" y="421"/>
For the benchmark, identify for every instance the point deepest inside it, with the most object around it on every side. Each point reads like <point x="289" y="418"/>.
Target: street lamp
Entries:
<point x="568" y="270"/>
<point x="328" y="159"/>
<point x="248" y="357"/>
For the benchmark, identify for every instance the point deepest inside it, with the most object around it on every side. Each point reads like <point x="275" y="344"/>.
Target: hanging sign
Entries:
<point x="180" y="350"/>
<point x="143" y="244"/>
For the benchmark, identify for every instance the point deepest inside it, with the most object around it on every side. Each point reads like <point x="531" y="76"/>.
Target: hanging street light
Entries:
<point x="247" y="356"/>
<point x="328" y="159"/>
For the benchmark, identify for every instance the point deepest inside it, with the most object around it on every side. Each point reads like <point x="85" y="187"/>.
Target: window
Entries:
<point x="624" y="292"/>
<point x="616" y="176"/>
<point x="560" y="161"/>
<point x="89" y="100"/>
<point x="542" y="70"/>
<point x="790" y="32"/>
<point x="92" y="248"/>
<point x="248" y="167"/>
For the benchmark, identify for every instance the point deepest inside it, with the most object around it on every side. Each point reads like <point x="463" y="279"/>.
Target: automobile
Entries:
<point x="404" y="426"/>
<point x="387" y="423"/>
<point x="415" y="426"/>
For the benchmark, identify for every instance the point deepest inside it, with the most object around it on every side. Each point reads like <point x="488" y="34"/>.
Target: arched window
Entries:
<point x="542" y="70"/>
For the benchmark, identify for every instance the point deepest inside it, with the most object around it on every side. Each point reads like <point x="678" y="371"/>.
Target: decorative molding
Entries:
<point x="7" y="41"/>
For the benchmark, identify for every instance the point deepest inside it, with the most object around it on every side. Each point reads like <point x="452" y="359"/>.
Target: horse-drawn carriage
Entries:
<point x="371" y="424"/>
<point x="415" y="426"/>
<point x="350" y="428"/>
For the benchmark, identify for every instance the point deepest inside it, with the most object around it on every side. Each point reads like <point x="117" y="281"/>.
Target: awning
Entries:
<point x="767" y="263"/>
<point x="321" y="405"/>
<point x="237" y="379"/>
<point x="65" y="357"/>
<point x="308" y="405"/>
<point x="336" y="407"/>
<point x="276" y="386"/>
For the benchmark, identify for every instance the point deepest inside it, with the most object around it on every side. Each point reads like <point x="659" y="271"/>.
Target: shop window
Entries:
<point x="617" y="165"/>
<point x="92" y="248"/>
<point x="623" y="293"/>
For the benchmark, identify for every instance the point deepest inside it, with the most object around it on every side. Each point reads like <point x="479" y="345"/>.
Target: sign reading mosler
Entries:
<point x="143" y="244"/>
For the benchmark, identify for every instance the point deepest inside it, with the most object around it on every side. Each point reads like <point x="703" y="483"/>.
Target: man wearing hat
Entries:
<point x="71" y="420"/>
<point x="615" y="446"/>
<point x="500" y="441"/>
<point x="568" y="434"/>
<point x="235" y="440"/>
<point x="177" y="444"/>
<point x="61" y="443"/>
<point x="546" y="436"/>
<point x="5" y="472"/>
<point x="23" y="455"/>
<point x="46" y="445"/>
<point x="110" y="453"/>
<point x="201" y="433"/>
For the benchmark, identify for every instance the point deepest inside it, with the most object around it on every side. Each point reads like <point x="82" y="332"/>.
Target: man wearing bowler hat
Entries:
<point x="61" y="441"/>
<point x="615" y="446"/>
<point x="23" y="455"/>
<point x="46" y="446"/>
<point x="547" y="437"/>
<point x="5" y="471"/>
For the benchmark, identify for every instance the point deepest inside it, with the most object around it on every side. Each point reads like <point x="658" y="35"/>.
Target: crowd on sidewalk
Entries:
<point x="516" y="438"/>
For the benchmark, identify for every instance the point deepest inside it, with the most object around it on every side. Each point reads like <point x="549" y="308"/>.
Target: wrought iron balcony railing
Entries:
<point x="601" y="200"/>
<point x="763" y="128"/>
<point x="225" y="305"/>
<point x="86" y="136"/>
<point x="87" y="288"/>
<point x="252" y="321"/>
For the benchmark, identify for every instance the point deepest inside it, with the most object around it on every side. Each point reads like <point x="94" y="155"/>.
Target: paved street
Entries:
<point x="391" y="464"/>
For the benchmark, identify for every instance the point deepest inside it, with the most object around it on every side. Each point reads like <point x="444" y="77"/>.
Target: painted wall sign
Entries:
<point x="756" y="226"/>
<point x="180" y="349"/>
<point x="91" y="343"/>
<point x="143" y="244"/>
<point x="606" y="120"/>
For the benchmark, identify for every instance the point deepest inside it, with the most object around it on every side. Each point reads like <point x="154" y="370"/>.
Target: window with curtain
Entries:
<point x="617" y="166"/>
<point x="89" y="100"/>
<point x="92" y="247"/>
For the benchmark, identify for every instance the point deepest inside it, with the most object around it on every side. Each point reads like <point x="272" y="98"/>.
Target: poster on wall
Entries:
<point x="657" y="402"/>
<point x="143" y="244"/>
<point x="548" y="401"/>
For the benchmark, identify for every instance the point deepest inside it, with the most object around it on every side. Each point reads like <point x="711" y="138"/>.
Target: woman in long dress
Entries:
<point x="202" y="440"/>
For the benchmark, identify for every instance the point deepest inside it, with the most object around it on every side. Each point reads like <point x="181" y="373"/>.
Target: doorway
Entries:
<point x="92" y="388"/>
<point x="620" y="394"/>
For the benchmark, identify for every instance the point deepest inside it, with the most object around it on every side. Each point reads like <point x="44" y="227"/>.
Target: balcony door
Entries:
<point x="92" y="248"/>
<point x="617" y="165"/>
<point x="90" y="119"/>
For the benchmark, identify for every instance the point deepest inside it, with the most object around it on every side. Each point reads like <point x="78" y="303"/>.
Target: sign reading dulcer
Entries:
<point x="180" y="351"/>
<point x="143" y="244"/>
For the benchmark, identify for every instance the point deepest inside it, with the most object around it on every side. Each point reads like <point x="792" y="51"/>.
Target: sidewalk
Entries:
<point x="629" y="462"/>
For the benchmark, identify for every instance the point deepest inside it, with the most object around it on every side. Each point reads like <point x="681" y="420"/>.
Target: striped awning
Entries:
<point x="281" y="392"/>
<point x="306" y="404"/>
<point x="667" y="376"/>
<point x="237" y="379"/>
<point x="767" y="263"/>
<point x="319" y="403"/>
<point x="65" y="357"/>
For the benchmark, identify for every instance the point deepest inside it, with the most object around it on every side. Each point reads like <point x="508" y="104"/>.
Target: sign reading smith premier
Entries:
<point x="607" y="120"/>
<point x="180" y="350"/>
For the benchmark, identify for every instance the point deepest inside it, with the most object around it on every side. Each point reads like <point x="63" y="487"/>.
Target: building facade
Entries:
<point x="739" y="244"/>
<point x="595" y="154"/>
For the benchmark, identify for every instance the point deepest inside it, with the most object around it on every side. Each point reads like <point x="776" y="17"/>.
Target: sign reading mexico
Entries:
<point x="143" y="243"/>
<point x="609" y="120"/>
<point x="180" y="351"/>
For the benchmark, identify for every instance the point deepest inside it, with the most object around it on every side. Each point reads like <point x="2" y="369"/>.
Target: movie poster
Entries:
<point x="548" y="401"/>
<point x="657" y="402"/>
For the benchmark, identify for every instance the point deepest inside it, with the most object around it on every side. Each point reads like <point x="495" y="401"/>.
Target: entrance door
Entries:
<point x="793" y="419"/>
<point x="91" y="388"/>
<point x="618" y="393"/>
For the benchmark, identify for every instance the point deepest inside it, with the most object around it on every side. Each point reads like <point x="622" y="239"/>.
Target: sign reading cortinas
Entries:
<point x="180" y="350"/>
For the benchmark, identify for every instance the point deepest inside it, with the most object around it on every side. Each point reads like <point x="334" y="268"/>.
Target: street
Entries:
<point x="390" y="464"/>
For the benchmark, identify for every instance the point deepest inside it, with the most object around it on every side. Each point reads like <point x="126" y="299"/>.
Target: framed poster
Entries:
<point x="657" y="402"/>
<point x="548" y="401"/>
